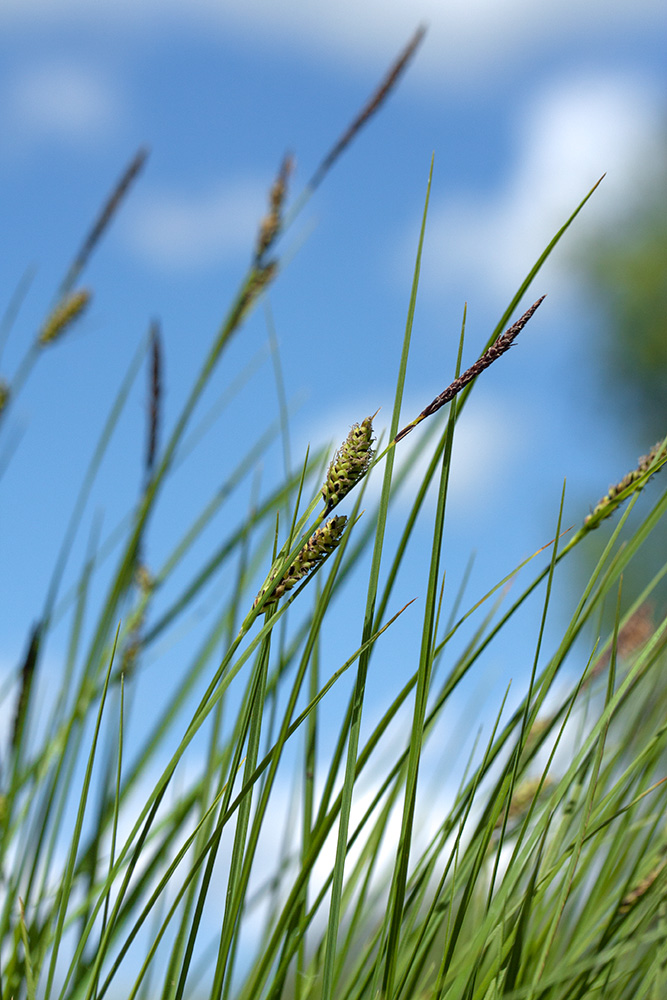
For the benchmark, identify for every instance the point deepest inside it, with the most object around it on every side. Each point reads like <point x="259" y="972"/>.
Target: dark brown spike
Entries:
<point x="107" y="212"/>
<point x="376" y="100"/>
<point x="497" y="348"/>
<point x="154" y="397"/>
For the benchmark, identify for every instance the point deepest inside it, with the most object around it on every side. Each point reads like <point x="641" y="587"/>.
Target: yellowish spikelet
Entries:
<point x="64" y="314"/>
<point x="612" y="499"/>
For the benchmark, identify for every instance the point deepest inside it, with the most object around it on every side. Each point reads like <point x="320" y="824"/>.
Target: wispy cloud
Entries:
<point x="490" y="435"/>
<point x="567" y="136"/>
<point x="466" y="37"/>
<point x="180" y="231"/>
<point x="62" y="101"/>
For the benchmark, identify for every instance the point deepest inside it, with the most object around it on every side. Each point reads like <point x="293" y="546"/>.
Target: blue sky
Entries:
<point x="524" y="105"/>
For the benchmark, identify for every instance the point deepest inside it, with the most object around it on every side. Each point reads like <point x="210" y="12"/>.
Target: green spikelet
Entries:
<point x="608" y="504"/>
<point x="320" y="544"/>
<point x="64" y="315"/>
<point x="349" y="464"/>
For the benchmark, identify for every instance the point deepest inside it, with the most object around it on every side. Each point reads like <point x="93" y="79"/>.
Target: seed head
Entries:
<point x="349" y="464"/>
<point x="320" y="544"/>
<point x="272" y="223"/>
<point x="635" y="894"/>
<point x="64" y="315"/>
<point x="608" y="504"/>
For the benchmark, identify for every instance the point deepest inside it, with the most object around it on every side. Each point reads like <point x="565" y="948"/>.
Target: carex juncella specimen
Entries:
<point x="610" y="501"/>
<point x="64" y="314"/>
<point x="349" y="465"/>
<point x="321" y="543"/>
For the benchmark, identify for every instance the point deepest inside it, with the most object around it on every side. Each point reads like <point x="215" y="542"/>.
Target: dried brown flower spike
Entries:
<point x="350" y="464"/>
<point x="64" y="314"/>
<point x="491" y="354"/>
<point x="320" y="544"/>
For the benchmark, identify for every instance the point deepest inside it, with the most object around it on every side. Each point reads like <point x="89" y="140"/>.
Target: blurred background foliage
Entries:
<point x="626" y="269"/>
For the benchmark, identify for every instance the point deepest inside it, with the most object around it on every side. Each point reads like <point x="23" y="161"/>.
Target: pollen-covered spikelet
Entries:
<point x="608" y="504"/>
<point x="64" y="314"/>
<point x="320" y="544"/>
<point x="349" y="464"/>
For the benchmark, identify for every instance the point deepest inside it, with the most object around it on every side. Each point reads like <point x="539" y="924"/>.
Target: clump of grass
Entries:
<point x="132" y="871"/>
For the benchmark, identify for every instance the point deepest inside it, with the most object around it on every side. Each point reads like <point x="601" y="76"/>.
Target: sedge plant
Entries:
<point x="129" y="872"/>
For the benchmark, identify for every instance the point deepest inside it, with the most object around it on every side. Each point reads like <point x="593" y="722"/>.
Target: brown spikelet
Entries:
<point x="133" y="646"/>
<point x="632" y="898"/>
<point x="259" y="278"/>
<point x="537" y="731"/>
<point x="145" y="584"/>
<point x="349" y="465"/>
<point x="143" y="579"/>
<point x="618" y="493"/>
<point x="523" y="797"/>
<point x="321" y="543"/>
<point x="4" y="393"/>
<point x="632" y="637"/>
<point x="27" y="674"/>
<point x="107" y="213"/>
<point x="64" y="314"/>
<point x="154" y="398"/>
<point x="375" y="102"/>
<point x="271" y="223"/>
<point x="497" y="348"/>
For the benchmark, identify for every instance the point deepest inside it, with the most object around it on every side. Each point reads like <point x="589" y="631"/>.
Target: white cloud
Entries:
<point x="180" y="231"/>
<point x="484" y="448"/>
<point x="466" y="37"/>
<point x="62" y="101"/>
<point x="567" y="137"/>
